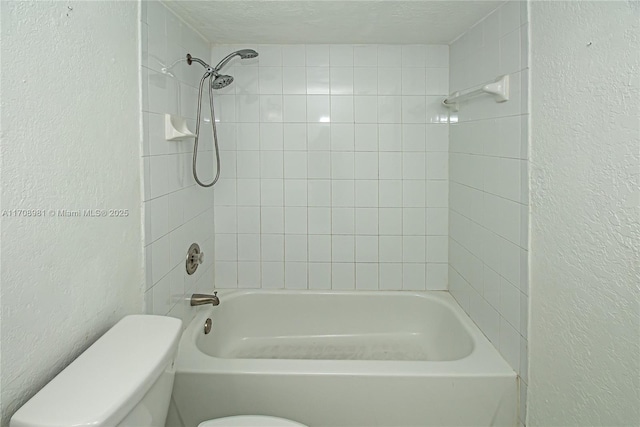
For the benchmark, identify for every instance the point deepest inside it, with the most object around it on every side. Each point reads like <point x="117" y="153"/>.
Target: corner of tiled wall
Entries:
<point x="335" y="168"/>
<point x="489" y="201"/>
<point x="177" y="211"/>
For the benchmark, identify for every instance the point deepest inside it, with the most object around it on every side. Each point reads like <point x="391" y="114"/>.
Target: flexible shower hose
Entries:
<point x="215" y="134"/>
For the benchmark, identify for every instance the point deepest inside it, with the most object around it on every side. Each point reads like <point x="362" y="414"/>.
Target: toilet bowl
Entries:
<point x="250" y="421"/>
<point x="124" y="379"/>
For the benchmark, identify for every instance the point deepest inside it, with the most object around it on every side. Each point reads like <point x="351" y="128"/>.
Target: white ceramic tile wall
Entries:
<point x="334" y="168"/>
<point x="177" y="211"/>
<point x="488" y="216"/>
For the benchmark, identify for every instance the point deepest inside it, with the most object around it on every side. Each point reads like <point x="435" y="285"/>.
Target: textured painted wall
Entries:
<point x="318" y="22"/>
<point x="70" y="140"/>
<point x="585" y="231"/>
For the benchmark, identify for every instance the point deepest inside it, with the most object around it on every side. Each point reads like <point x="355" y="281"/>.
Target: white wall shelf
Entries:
<point x="176" y="129"/>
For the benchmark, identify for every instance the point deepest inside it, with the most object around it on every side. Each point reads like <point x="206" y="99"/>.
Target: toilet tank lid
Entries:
<point x="105" y="382"/>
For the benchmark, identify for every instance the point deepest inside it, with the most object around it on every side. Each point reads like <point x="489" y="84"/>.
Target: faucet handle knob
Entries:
<point x="197" y="257"/>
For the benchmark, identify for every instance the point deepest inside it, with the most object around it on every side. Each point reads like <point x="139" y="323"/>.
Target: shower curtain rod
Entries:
<point x="498" y="88"/>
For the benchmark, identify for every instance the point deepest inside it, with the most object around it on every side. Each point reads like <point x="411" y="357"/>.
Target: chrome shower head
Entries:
<point x="221" y="81"/>
<point x="242" y="53"/>
<point x="247" y="53"/>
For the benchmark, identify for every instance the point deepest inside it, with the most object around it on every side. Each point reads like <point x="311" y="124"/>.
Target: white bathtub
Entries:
<point x="342" y="359"/>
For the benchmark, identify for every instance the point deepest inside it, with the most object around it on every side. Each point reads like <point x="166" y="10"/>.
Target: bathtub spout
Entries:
<point x="202" y="299"/>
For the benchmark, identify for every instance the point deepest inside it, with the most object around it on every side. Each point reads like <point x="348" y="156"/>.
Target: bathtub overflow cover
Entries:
<point x="207" y="326"/>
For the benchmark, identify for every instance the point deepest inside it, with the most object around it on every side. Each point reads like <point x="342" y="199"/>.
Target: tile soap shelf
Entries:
<point x="176" y="129"/>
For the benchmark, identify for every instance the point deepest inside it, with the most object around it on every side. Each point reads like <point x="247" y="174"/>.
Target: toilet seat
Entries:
<point x="250" y="421"/>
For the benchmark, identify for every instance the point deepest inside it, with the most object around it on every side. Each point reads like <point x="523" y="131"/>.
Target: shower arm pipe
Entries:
<point x="191" y="60"/>
<point x="498" y="88"/>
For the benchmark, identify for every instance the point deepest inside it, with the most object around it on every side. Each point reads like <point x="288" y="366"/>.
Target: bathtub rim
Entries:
<point x="483" y="361"/>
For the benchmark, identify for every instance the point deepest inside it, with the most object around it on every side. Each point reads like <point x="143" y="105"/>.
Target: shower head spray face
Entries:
<point x="221" y="81"/>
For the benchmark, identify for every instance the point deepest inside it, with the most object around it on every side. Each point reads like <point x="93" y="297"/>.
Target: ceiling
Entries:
<point x="326" y="21"/>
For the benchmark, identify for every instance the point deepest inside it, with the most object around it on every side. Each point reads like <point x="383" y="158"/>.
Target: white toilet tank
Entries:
<point x="124" y="379"/>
